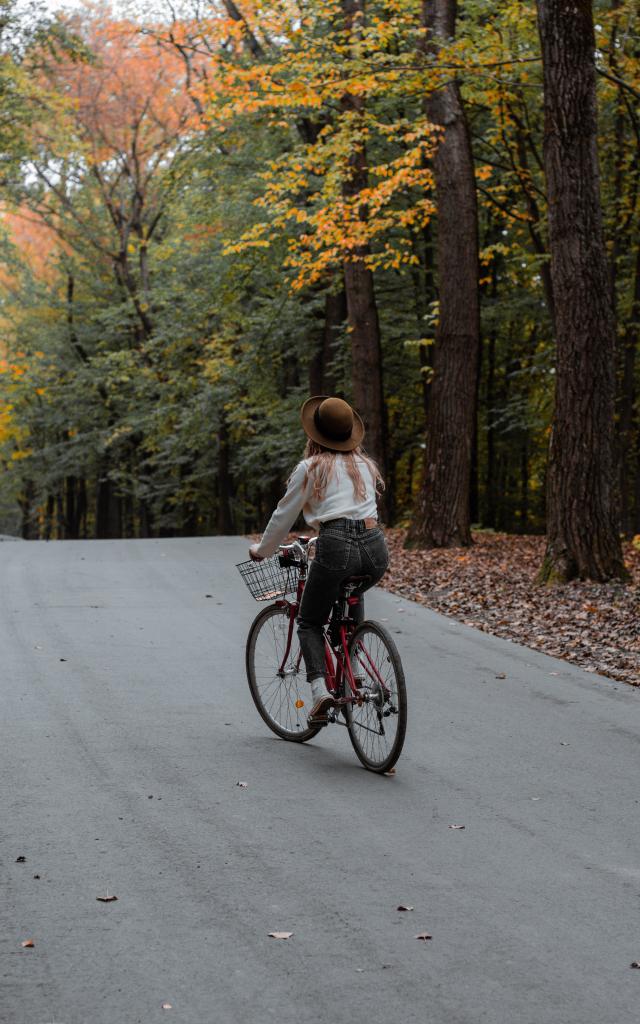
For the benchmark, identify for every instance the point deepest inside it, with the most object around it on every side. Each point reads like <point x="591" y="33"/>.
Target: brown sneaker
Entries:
<point x="319" y="714"/>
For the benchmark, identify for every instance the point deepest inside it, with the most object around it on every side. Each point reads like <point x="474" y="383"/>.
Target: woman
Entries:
<point x="335" y="486"/>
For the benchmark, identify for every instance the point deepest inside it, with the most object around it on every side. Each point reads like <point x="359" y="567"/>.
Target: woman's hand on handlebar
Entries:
<point x="253" y="553"/>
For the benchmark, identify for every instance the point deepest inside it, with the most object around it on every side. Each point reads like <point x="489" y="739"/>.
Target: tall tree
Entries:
<point x="442" y="516"/>
<point x="362" y="309"/>
<point x="582" y="531"/>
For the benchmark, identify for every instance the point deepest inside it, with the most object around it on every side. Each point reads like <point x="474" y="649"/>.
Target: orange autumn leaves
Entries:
<point x="130" y="96"/>
<point x="331" y="88"/>
<point x="332" y="225"/>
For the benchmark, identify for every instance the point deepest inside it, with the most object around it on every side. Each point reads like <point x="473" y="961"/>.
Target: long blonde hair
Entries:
<point x="323" y="466"/>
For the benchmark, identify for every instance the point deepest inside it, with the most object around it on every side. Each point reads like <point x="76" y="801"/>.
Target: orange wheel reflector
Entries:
<point x="299" y="703"/>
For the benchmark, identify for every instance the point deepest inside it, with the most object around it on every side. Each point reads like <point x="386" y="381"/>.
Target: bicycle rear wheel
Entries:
<point x="377" y="726"/>
<point x="279" y="695"/>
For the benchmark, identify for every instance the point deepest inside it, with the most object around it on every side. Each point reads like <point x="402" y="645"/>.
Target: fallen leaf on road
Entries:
<point x="404" y="907"/>
<point x="636" y="963"/>
<point x="166" y="1006"/>
<point x="28" y="944"/>
<point x="21" y="860"/>
<point x="208" y="595"/>
<point x="501" y="675"/>
<point x="280" y="935"/>
<point x="107" y="898"/>
<point x="243" y="785"/>
<point x="562" y="744"/>
<point x="457" y="826"/>
<point x="423" y="936"/>
<point x="36" y="876"/>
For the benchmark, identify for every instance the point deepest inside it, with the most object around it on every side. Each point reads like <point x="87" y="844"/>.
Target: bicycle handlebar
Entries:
<point x="298" y="550"/>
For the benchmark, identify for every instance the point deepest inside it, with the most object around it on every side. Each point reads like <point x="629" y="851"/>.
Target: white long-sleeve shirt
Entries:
<point x="339" y="502"/>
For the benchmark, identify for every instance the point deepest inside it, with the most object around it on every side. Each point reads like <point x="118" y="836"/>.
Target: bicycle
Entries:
<point x="363" y="668"/>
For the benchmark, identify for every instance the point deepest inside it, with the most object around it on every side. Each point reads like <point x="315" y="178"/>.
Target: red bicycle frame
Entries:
<point x="337" y="661"/>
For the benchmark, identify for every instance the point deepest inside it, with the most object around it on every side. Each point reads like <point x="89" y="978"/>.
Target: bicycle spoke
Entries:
<point x="278" y="685"/>
<point x="377" y="724"/>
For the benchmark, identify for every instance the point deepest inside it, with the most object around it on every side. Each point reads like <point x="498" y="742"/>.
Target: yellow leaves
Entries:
<point x="19" y="454"/>
<point x="310" y="187"/>
<point x="242" y="245"/>
<point x="487" y="254"/>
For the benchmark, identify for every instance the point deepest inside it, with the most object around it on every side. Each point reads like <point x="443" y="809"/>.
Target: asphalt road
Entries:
<point x="126" y="724"/>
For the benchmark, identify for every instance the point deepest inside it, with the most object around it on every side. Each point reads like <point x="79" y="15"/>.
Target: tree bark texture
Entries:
<point x="582" y="529"/>
<point x="442" y="515"/>
<point x="366" y="357"/>
<point x="322" y="380"/>
<point x="628" y="439"/>
<point x="362" y="311"/>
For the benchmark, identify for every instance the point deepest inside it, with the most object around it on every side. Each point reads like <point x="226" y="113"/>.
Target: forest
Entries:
<point x="431" y="209"/>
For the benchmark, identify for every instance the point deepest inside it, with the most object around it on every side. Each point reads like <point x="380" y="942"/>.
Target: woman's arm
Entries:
<point x="287" y="511"/>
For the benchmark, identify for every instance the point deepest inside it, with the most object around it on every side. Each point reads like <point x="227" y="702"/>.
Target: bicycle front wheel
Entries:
<point x="279" y="690"/>
<point x="377" y="725"/>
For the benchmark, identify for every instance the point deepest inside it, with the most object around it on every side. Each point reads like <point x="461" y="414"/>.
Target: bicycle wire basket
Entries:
<point x="269" y="579"/>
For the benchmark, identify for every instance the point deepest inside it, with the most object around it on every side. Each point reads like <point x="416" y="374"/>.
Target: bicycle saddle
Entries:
<point x="352" y="581"/>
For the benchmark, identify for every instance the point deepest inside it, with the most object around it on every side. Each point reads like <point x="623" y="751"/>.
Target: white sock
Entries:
<point x="318" y="688"/>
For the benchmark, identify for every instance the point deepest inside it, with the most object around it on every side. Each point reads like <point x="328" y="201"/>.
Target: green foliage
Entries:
<point x="151" y="377"/>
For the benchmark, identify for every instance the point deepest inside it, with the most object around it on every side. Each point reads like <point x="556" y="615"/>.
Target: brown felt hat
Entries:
<point x="332" y="422"/>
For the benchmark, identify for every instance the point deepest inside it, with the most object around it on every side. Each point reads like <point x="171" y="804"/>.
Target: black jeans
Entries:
<point x="345" y="548"/>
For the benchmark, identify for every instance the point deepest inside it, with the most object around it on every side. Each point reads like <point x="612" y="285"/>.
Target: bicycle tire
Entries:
<point x="364" y="721"/>
<point x="275" y="696"/>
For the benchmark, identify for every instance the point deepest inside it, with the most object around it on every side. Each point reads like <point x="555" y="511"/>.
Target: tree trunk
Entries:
<point x="582" y="532"/>
<point x="442" y="516"/>
<point x="81" y="508"/>
<point x="48" y="517"/>
<point x="490" y="479"/>
<point x="627" y="428"/>
<point x="322" y="380"/>
<point x="366" y="356"/>
<point x="362" y="311"/>
<point x="524" y="486"/>
<point x="71" y="509"/>
<point x="108" y="509"/>
<point x="225" y="484"/>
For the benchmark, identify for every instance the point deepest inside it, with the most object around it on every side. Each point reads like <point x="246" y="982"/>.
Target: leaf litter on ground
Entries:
<point x="492" y="587"/>
<point x="280" y="935"/>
